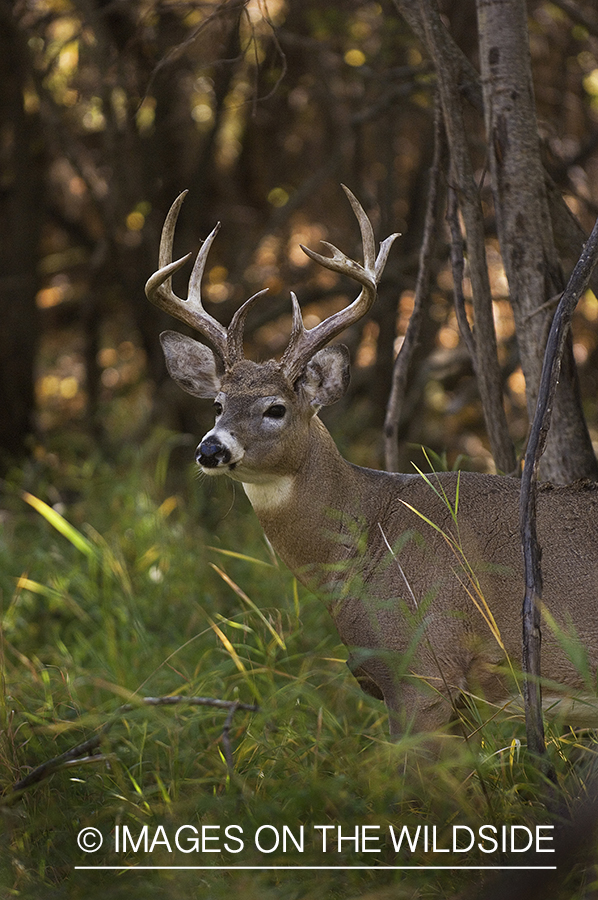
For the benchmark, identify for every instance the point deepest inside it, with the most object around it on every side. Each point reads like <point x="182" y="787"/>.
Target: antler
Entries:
<point x="159" y="287"/>
<point x="228" y="343"/>
<point x="305" y="343"/>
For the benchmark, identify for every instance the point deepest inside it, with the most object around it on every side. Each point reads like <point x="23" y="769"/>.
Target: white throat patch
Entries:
<point x="270" y="495"/>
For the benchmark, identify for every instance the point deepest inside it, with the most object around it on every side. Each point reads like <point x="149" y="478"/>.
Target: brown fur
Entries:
<point x="428" y="603"/>
<point x="415" y="618"/>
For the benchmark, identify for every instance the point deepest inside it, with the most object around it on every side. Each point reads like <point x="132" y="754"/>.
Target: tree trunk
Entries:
<point x="21" y="211"/>
<point x="482" y="345"/>
<point x="524" y="228"/>
<point x="523" y="209"/>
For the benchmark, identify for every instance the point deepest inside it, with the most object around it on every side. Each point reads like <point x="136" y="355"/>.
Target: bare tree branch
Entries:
<point x="40" y="773"/>
<point x="524" y="226"/>
<point x="458" y="266"/>
<point x="426" y="256"/>
<point x="468" y="79"/>
<point x="462" y="180"/>
<point x="587" y="18"/>
<point x="532" y="553"/>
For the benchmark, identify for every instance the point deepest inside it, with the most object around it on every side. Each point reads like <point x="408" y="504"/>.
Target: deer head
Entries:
<point x="262" y="410"/>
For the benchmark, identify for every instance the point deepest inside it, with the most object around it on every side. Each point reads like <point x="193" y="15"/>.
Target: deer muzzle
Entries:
<point x="212" y="453"/>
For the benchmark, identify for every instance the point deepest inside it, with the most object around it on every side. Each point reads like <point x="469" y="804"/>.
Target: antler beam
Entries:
<point x="159" y="287"/>
<point x="305" y="343"/>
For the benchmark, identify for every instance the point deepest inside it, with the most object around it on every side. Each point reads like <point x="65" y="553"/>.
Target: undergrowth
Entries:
<point x="120" y="581"/>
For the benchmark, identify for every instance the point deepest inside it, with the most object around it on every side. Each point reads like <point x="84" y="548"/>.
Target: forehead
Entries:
<point x="253" y="380"/>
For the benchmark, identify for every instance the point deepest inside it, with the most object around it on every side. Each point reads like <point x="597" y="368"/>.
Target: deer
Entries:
<point x="422" y="574"/>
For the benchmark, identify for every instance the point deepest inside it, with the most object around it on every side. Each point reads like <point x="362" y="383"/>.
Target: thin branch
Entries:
<point x="405" y="355"/>
<point x="83" y="750"/>
<point x="488" y="374"/>
<point x="281" y="54"/>
<point x="175" y="53"/>
<point x="532" y="552"/>
<point x="568" y="231"/>
<point x="458" y="266"/>
<point x="586" y="18"/>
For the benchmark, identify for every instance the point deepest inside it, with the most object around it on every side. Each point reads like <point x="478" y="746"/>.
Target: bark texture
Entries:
<point x="526" y="205"/>
<point x="461" y="178"/>
<point x="524" y="227"/>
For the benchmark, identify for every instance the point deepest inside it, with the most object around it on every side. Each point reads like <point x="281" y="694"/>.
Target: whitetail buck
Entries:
<point x="422" y="576"/>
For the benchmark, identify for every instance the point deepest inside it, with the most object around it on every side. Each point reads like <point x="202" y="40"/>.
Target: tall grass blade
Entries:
<point x="235" y="555"/>
<point x="243" y="596"/>
<point x="61" y="525"/>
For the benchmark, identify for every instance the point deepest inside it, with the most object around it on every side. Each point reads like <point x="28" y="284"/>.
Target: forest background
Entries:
<point x="107" y="111"/>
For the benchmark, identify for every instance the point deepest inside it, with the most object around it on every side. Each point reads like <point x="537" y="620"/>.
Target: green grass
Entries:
<point x="141" y="583"/>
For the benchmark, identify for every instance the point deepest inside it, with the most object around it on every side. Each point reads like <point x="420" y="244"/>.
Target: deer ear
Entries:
<point x="192" y="365"/>
<point x="326" y="376"/>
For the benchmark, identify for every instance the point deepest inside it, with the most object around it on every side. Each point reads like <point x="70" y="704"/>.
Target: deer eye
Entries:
<point x="218" y="408"/>
<point x="277" y="411"/>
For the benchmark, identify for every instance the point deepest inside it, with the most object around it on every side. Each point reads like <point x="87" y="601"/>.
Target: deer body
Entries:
<point x="409" y="618"/>
<point x="423" y="578"/>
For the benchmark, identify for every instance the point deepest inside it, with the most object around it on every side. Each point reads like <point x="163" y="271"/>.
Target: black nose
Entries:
<point x="211" y="453"/>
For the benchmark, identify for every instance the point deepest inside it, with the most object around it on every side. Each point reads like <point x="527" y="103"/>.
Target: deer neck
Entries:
<point x="303" y="513"/>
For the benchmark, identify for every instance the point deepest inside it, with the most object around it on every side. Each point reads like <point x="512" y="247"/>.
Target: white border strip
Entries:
<point x="317" y="868"/>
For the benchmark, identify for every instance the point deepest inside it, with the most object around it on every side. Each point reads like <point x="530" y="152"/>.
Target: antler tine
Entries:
<point x="365" y="226"/>
<point x="159" y="290"/>
<point x="298" y="336"/>
<point x="168" y="229"/>
<point x="234" y="340"/>
<point x="303" y="343"/>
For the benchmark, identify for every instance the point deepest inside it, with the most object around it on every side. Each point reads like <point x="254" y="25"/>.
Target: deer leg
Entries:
<point x="413" y="705"/>
<point x="413" y="710"/>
